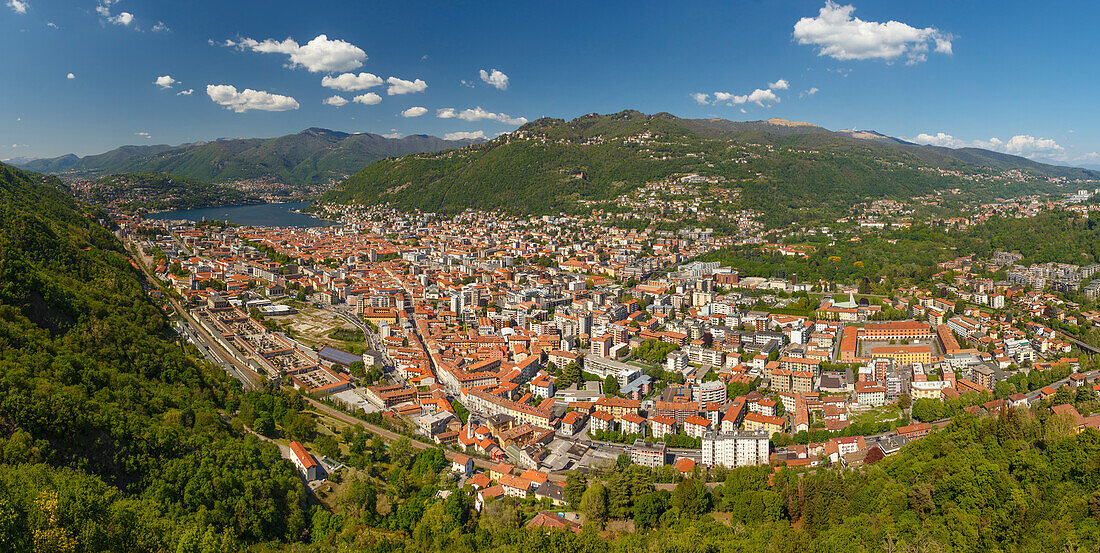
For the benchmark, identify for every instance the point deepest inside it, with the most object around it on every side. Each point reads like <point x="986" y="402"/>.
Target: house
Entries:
<point x="462" y="464"/>
<point x="685" y="466"/>
<point x="483" y="495"/>
<point x="868" y="393"/>
<point x="515" y="486"/>
<point x="633" y="423"/>
<point x="662" y="426"/>
<point x="479" y="481"/>
<point x="695" y="426"/>
<point x="305" y="462"/>
<point x="500" y="469"/>
<point x="572" y="423"/>
<point x="551" y="492"/>
<point x="914" y="431"/>
<point x="602" y="420"/>
<point x="757" y="422"/>
<point x="551" y="521"/>
<point x="1018" y="400"/>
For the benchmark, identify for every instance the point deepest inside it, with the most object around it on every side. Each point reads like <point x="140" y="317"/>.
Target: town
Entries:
<point x="545" y="345"/>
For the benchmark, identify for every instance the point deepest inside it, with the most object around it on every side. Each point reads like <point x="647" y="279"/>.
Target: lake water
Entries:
<point x="262" y="215"/>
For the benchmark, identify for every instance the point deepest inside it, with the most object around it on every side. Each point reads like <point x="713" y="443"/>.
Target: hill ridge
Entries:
<point x="313" y="156"/>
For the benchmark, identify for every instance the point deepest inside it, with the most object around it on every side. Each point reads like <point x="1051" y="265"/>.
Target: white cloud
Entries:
<point x="123" y="18"/>
<point x="393" y="134"/>
<point x="368" y="99"/>
<point x="495" y="78"/>
<point x="760" y="97"/>
<point x="165" y="81"/>
<point x="838" y="35"/>
<point x="70" y="76"/>
<point x="1023" y="145"/>
<point x="350" y="81"/>
<point x="781" y="84"/>
<point x="52" y="25"/>
<point x="415" y="111"/>
<point x="806" y="93"/>
<point x="319" y="55"/>
<point x="463" y="135"/>
<point x="700" y="98"/>
<point x="17" y="6"/>
<point x="478" y="114"/>
<point x="160" y="27"/>
<point x="187" y="92"/>
<point x="240" y="102"/>
<point x="939" y="139"/>
<point x="401" y="86"/>
<point x="143" y="134"/>
<point x="334" y="100"/>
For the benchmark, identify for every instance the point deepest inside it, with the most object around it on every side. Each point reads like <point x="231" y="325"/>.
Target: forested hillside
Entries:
<point x="1016" y="482"/>
<point x="789" y="171"/>
<point x="911" y="255"/>
<point x="109" y="433"/>
<point x="159" y="191"/>
<point x="313" y="156"/>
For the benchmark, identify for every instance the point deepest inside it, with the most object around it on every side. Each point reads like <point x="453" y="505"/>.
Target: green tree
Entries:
<point x="576" y="483"/>
<point x="594" y="503"/>
<point x="905" y="401"/>
<point x="358" y="369"/>
<point x="649" y="508"/>
<point x="611" y="386"/>
<point x="928" y="409"/>
<point x="691" y="498"/>
<point x="327" y="446"/>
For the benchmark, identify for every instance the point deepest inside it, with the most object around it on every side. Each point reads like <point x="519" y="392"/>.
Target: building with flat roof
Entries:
<point x="735" y="449"/>
<point x="647" y="455"/>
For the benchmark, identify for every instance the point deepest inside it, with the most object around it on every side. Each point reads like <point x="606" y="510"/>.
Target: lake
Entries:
<point x="262" y="215"/>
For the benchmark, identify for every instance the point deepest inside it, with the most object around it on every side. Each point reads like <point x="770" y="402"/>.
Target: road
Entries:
<point x="386" y="434"/>
<point x="1034" y="395"/>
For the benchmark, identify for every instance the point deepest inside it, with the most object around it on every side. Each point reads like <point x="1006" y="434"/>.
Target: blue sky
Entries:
<point x="1012" y="76"/>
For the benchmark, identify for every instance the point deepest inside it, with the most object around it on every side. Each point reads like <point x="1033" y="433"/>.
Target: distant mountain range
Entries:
<point x="312" y="157"/>
<point x="783" y="167"/>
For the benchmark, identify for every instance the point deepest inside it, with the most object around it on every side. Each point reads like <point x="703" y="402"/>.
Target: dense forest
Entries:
<point x="1017" y="481"/>
<point x="110" y="434"/>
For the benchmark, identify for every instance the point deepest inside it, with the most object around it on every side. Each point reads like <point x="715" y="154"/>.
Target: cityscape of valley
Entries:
<point x="728" y="324"/>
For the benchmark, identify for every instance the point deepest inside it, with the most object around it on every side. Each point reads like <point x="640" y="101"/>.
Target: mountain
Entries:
<point x="159" y="191"/>
<point x="312" y="157"/>
<point x="787" y="169"/>
<point x="111" y="435"/>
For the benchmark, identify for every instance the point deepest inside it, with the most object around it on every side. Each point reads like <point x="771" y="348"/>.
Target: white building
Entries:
<point x="736" y="449"/>
<point x="677" y="361"/>
<point x="602" y="367"/>
<point x="711" y="392"/>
